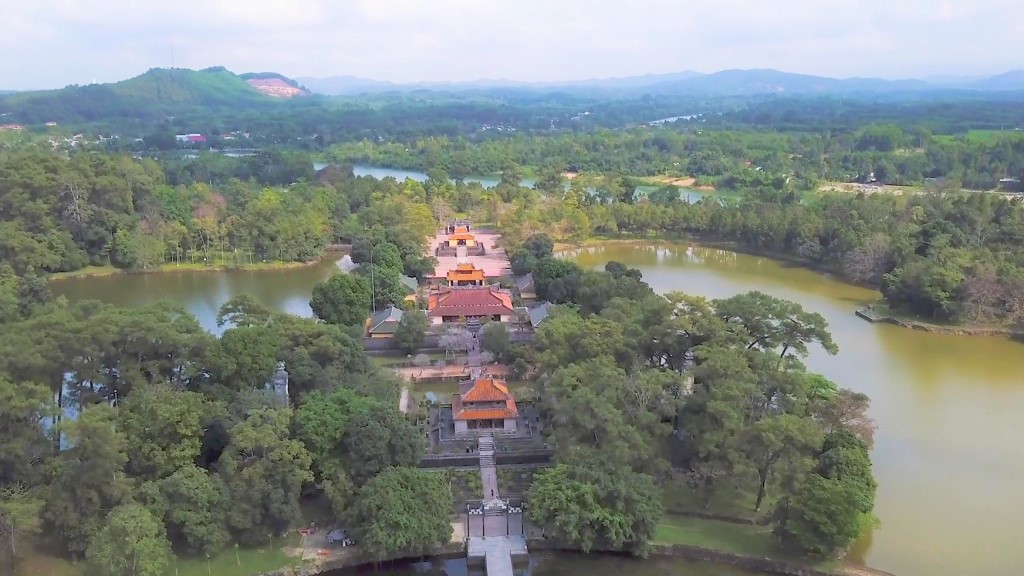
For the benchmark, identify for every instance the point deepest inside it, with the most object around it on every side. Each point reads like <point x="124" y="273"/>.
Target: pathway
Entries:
<point x="496" y="553"/>
<point x="473" y="360"/>
<point x="500" y="538"/>
<point x="488" y="471"/>
<point x="403" y="400"/>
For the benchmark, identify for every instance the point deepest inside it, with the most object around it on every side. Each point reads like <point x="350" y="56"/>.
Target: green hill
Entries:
<point x="155" y="94"/>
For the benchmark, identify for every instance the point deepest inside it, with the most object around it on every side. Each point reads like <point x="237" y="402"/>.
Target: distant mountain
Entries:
<point x="1013" y="80"/>
<point x="155" y="94"/>
<point x="723" y="83"/>
<point x="347" y="85"/>
<point x="338" y="85"/>
<point x="750" y="82"/>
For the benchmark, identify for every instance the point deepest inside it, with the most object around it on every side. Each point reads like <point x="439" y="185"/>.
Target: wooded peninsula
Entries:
<point x="133" y="437"/>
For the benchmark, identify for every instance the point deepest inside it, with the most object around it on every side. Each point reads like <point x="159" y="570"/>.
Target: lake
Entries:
<point x="561" y="564"/>
<point x="688" y="194"/>
<point x="203" y="293"/>
<point x="948" y="456"/>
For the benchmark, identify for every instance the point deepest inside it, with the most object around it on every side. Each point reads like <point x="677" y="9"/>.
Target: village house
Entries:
<point x="484" y="405"/>
<point x="473" y="303"/>
<point x="525" y="286"/>
<point x="538" y="314"/>
<point x="384" y="323"/>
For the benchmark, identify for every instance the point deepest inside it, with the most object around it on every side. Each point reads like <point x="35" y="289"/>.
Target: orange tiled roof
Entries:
<point x="466" y="272"/>
<point x="469" y="413"/>
<point x="461" y="233"/>
<point x="486" y="390"/>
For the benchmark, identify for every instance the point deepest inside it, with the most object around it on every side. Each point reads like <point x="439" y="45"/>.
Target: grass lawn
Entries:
<point x="249" y="561"/>
<point x="46" y="565"/>
<point x="736" y="538"/>
<point x="216" y="265"/>
<point x="726" y="500"/>
<point x="87" y="271"/>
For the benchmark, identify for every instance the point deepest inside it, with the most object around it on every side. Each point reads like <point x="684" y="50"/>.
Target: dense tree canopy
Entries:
<point x="402" y="511"/>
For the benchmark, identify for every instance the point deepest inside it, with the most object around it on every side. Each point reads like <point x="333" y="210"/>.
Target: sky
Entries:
<point x="53" y="43"/>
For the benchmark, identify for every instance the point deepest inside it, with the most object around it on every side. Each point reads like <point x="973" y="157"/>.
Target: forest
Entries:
<point x="63" y="214"/>
<point x="724" y="157"/>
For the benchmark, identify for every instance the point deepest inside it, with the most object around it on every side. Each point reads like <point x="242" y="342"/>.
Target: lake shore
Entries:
<point x="170" y="267"/>
<point x="882" y="313"/>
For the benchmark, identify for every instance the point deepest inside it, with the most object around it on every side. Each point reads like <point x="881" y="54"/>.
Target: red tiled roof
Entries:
<point x="475" y="301"/>
<point x="486" y="391"/>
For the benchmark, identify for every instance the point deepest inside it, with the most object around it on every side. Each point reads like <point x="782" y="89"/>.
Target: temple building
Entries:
<point x="458" y="240"/>
<point x="472" y="303"/>
<point x="484" y="405"/>
<point x="466" y="274"/>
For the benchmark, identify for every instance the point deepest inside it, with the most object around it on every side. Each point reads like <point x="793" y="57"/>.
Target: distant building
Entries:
<point x="525" y="286"/>
<point x="484" y="405"/>
<point x="384" y="323"/>
<point x="1011" y="184"/>
<point x="190" y="138"/>
<point x="450" y="304"/>
<point x="538" y="314"/>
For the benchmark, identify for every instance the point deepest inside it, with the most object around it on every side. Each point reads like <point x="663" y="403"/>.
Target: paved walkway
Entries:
<point x="403" y="400"/>
<point x="448" y="372"/>
<point x="497" y="553"/>
<point x="491" y="541"/>
<point x="488" y="471"/>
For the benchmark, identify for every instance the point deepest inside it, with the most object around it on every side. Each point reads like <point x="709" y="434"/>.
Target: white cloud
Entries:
<point x="49" y="43"/>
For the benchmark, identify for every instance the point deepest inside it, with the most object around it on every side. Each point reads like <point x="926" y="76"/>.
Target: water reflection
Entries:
<point x="557" y="564"/>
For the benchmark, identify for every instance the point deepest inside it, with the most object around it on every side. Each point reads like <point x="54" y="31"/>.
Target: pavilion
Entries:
<point x="484" y="405"/>
<point x="460" y="239"/>
<point x="466" y="274"/>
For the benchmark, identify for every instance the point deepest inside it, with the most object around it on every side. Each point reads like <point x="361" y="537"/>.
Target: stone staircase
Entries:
<point x="486" y="447"/>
